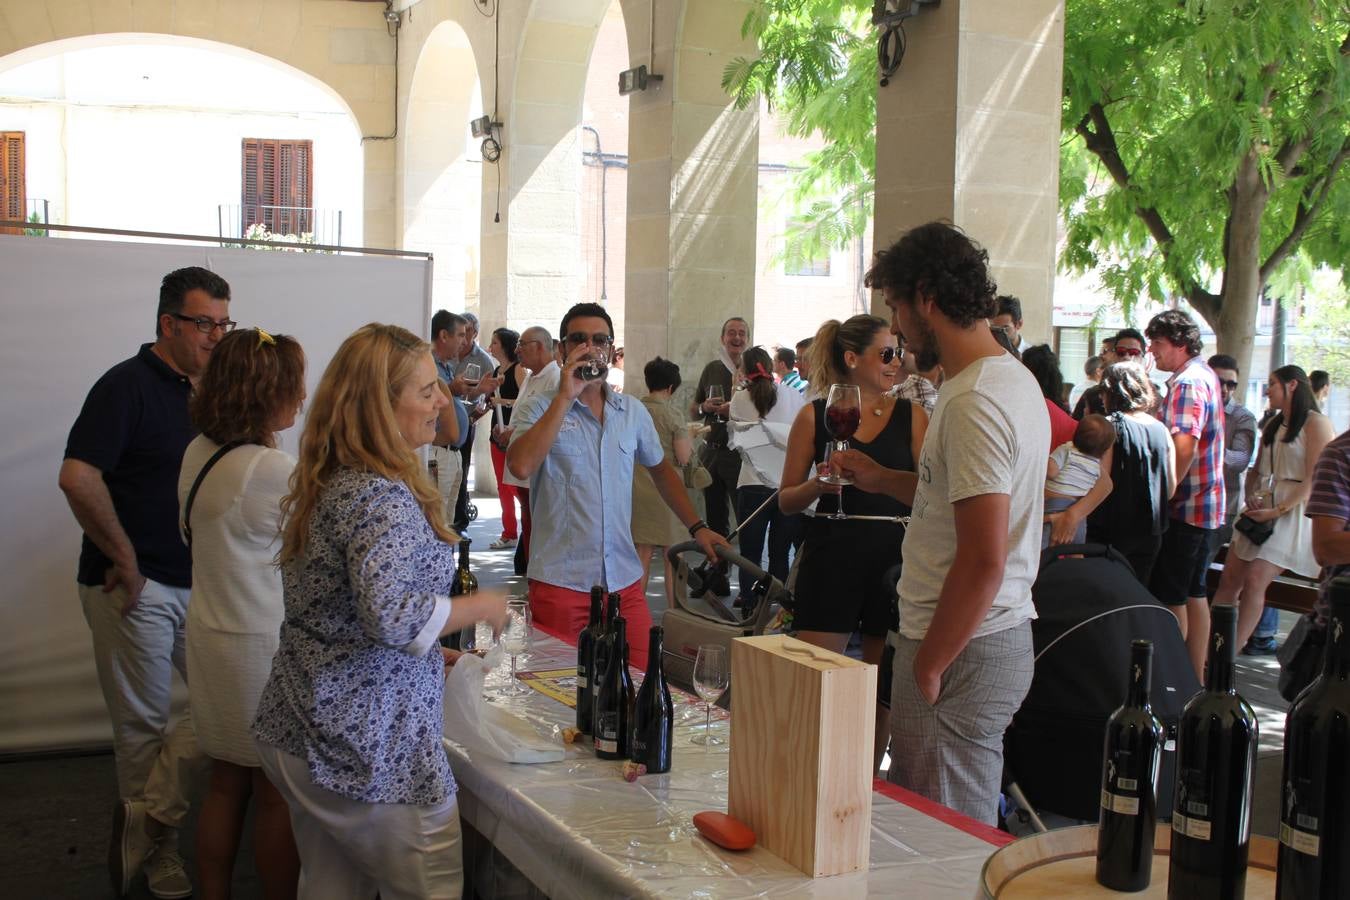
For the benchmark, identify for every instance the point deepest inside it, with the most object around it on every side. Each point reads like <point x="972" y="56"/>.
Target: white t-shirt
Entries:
<point x="989" y="434"/>
<point x="545" y="381"/>
<point x="1076" y="473"/>
<point x="770" y="446"/>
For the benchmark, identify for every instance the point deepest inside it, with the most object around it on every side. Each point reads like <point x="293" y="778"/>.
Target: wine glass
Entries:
<point x="712" y="677"/>
<point x="516" y="639"/>
<point x="473" y="373"/>
<point x="843" y="415"/>
<point x="715" y="393"/>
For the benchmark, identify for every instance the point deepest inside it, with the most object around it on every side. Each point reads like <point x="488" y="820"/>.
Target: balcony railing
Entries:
<point x="308" y="224"/>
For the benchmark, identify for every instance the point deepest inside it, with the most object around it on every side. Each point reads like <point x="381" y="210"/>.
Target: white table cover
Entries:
<point x="576" y="829"/>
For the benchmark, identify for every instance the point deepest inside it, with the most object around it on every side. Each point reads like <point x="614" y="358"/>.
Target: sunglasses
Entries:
<point x="1231" y="385"/>
<point x="577" y="338"/>
<point x="1128" y="352"/>
<point x="888" y="355"/>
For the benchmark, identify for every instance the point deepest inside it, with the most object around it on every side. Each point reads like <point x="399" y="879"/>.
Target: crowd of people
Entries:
<point x="302" y="598"/>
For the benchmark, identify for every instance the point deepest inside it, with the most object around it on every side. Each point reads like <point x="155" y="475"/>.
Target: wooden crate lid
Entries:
<point x="800" y="652"/>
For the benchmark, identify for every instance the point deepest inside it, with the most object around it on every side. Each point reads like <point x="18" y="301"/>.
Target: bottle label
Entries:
<point x="581" y="678"/>
<point x="1191" y="827"/>
<point x="1127" y="784"/>
<point x="608" y="745"/>
<point x="1300" y="841"/>
<point x="1126" y="806"/>
<point x="639" y="747"/>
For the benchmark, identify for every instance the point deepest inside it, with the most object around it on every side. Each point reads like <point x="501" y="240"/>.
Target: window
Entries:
<point x="13" y="197"/>
<point x="278" y="185"/>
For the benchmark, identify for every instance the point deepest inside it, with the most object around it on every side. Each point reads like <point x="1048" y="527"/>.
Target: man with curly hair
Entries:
<point x="120" y="476"/>
<point x="1193" y="414"/>
<point x="963" y="655"/>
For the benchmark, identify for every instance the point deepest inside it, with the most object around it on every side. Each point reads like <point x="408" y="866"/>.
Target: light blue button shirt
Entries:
<point x="581" y="496"/>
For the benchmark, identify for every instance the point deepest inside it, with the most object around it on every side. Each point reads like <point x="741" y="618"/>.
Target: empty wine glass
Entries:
<point x="473" y="373"/>
<point x="712" y="677"/>
<point x="843" y="415"/>
<point x="717" y="395"/>
<point x="516" y="639"/>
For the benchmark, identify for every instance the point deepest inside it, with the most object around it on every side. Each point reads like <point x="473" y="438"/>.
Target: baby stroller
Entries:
<point x="1090" y="607"/>
<point x="701" y="614"/>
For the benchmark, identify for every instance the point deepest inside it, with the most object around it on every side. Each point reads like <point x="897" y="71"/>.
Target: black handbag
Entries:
<point x="1256" y="532"/>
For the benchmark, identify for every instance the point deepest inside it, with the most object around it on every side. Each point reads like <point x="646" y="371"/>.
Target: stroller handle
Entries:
<point x="725" y="552"/>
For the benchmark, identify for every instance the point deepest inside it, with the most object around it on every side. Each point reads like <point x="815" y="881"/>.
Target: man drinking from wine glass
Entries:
<point x="577" y="447"/>
<point x="963" y="660"/>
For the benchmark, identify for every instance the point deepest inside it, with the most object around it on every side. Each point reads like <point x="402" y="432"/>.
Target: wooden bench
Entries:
<point x="1289" y="591"/>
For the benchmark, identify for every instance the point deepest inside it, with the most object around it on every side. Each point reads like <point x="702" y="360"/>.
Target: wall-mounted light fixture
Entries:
<point x="638" y="79"/>
<point x="482" y="126"/>
<point x="890" y="16"/>
<point x="631" y="80"/>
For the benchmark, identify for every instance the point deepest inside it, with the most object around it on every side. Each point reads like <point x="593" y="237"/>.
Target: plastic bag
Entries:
<point x="484" y="728"/>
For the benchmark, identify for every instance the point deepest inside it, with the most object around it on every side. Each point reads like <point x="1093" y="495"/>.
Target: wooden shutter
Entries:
<point x="278" y="174"/>
<point x="13" y="194"/>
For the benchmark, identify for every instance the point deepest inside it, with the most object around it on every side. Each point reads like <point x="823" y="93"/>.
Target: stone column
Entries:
<point x="968" y="130"/>
<point x="693" y="160"/>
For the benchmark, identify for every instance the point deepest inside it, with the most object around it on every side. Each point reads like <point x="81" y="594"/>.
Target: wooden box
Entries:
<point x="802" y="721"/>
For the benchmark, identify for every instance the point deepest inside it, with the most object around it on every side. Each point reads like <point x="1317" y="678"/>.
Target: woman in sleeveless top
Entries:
<point x="503" y="346"/>
<point x="841" y="584"/>
<point x="252" y="389"/>
<point x="1142" y="465"/>
<point x="1277" y="490"/>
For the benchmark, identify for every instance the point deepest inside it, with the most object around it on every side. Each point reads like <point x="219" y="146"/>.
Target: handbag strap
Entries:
<point x="192" y="493"/>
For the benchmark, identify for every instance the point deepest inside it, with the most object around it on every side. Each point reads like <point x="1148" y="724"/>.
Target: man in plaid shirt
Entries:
<point x="1193" y="414"/>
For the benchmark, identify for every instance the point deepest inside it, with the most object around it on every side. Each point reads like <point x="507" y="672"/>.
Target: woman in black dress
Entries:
<point x="841" y="586"/>
<point x="1142" y="464"/>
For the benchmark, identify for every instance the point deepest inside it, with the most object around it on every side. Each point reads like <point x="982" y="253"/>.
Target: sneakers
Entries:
<point x="502" y="544"/>
<point x="130" y="846"/>
<point x="1260" y="646"/>
<point x="165" y="874"/>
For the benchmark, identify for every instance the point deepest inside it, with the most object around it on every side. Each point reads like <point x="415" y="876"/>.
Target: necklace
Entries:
<point x="881" y="406"/>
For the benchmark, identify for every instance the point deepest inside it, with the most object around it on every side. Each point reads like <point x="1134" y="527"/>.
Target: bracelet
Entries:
<point x="696" y="527"/>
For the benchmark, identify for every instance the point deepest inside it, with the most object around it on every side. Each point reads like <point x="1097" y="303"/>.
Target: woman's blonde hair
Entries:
<point x="351" y="425"/>
<point x="825" y="357"/>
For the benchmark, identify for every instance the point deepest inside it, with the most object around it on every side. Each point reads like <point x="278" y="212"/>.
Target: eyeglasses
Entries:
<point x="1231" y="385"/>
<point x="1128" y="352"/>
<point x="577" y="338"/>
<point x="206" y="325"/>
<point x="888" y="355"/>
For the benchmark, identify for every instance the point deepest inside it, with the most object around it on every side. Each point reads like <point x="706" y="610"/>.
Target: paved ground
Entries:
<point x="55" y="816"/>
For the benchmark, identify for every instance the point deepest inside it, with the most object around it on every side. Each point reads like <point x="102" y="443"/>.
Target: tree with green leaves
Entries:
<point x="1205" y="140"/>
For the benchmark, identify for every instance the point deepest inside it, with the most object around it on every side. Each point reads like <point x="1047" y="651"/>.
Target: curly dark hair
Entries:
<point x="941" y="261"/>
<point x="661" y="374"/>
<point x="1179" y="328"/>
<point x="251" y="377"/>
<point x="1044" y="366"/>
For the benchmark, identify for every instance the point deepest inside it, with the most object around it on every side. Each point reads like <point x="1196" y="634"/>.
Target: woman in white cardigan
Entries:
<point x="252" y="389"/>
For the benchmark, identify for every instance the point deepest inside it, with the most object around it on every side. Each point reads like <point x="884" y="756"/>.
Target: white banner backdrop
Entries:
<point x="72" y="309"/>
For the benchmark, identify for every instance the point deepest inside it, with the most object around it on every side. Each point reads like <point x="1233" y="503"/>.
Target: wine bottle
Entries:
<point x="1129" y="816"/>
<point x="653" y="713"/>
<point x="1216" y="771"/>
<point x="614" y="702"/>
<point x="601" y="651"/>
<point x="585" y="659"/>
<point x="1314" y="854"/>
<point x="465" y="581"/>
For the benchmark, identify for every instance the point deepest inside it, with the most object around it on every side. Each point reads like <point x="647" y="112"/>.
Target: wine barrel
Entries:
<point x="1063" y="863"/>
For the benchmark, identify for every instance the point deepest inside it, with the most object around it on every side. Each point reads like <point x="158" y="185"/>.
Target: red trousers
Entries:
<point x="565" y="612"/>
<point x="506" y="492"/>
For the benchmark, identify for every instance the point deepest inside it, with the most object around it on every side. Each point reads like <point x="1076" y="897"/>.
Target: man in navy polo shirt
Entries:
<point x="120" y="476"/>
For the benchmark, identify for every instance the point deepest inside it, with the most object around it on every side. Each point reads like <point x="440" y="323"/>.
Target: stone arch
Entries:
<point x="440" y="175"/>
<point x="344" y="46"/>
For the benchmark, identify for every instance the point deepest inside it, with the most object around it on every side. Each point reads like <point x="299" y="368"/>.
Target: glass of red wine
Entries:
<point x="843" y="415"/>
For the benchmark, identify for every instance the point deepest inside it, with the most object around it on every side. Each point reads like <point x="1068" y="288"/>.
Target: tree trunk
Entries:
<point x="1236" y="322"/>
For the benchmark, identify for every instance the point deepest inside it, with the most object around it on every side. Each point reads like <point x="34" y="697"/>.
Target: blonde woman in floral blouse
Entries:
<point x="349" y="724"/>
